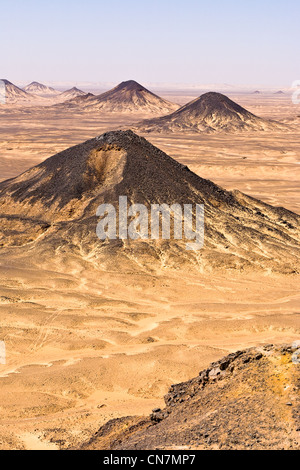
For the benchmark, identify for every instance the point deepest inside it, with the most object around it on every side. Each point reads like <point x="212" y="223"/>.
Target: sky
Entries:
<point x="159" y="41"/>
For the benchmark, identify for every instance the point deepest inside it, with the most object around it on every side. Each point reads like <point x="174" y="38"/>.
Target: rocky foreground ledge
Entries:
<point x="247" y="400"/>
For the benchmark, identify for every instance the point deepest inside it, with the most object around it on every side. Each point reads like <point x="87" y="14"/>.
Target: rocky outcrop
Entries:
<point x="247" y="400"/>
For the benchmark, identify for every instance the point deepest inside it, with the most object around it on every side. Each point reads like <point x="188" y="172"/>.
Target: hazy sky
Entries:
<point x="189" y="41"/>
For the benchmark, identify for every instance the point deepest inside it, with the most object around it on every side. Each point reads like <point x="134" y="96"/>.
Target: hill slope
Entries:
<point x="209" y="113"/>
<point x="54" y="204"/>
<point x="247" y="400"/>
<point x="15" y="94"/>
<point x="39" y="89"/>
<point x="71" y="94"/>
<point x="128" y="96"/>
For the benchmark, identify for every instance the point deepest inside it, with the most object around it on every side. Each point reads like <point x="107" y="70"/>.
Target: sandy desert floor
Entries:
<point x="83" y="345"/>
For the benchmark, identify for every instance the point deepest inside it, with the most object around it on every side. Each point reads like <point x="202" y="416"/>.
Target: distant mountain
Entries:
<point x="209" y="113"/>
<point x="128" y="97"/>
<point x="71" y="94"/>
<point x="15" y="94"/>
<point x="280" y="92"/>
<point x="39" y="89"/>
<point x="53" y="205"/>
<point x="256" y="92"/>
<point x="248" y="400"/>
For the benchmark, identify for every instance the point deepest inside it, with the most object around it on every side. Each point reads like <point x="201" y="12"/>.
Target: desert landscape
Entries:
<point x="96" y="331"/>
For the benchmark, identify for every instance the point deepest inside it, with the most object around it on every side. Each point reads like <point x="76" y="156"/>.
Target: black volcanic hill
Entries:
<point x="37" y="88"/>
<point x="53" y="205"/>
<point x="128" y="96"/>
<point x="208" y="113"/>
<point x="247" y="400"/>
<point x="15" y="94"/>
<point x="71" y="94"/>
